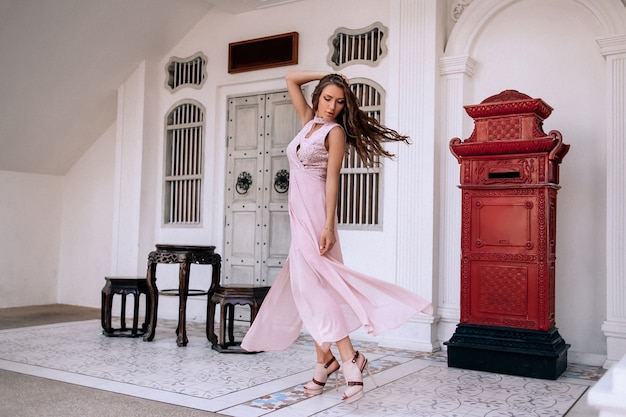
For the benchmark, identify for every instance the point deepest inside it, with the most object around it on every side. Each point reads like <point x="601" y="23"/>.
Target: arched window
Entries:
<point x="360" y="186"/>
<point x="183" y="171"/>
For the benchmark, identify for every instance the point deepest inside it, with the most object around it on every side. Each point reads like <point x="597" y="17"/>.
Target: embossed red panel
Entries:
<point x="502" y="293"/>
<point x="504" y="129"/>
<point x="503" y="223"/>
<point x="503" y="290"/>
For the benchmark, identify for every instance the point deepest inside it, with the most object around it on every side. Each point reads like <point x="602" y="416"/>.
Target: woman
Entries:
<point x="315" y="288"/>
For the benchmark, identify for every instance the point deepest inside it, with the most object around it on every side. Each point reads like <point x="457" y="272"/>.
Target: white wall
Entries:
<point x="87" y="222"/>
<point x="548" y="50"/>
<point x="30" y="225"/>
<point x="212" y="36"/>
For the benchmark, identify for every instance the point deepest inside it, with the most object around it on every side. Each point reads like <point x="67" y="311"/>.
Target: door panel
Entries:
<point x="247" y="114"/>
<point x="282" y="124"/>
<point x="257" y="234"/>
<point x="244" y="226"/>
<point x="244" y="167"/>
<point x="244" y="181"/>
<point x="279" y="238"/>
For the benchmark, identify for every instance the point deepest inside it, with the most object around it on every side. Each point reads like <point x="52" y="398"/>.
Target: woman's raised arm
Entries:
<point x="295" y="80"/>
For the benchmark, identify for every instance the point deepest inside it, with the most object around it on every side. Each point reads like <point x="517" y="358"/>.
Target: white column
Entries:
<point x="455" y="72"/>
<point x="614" y="50"/>
<point x="128" y="164"/>
<point x="416" y="70"/>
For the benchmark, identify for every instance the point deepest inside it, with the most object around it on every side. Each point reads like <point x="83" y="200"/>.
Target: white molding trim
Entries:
<point x="128" y="175"/>
<point x="416" y="162"/>
<point x="455" y="72"/>
<point x="614" y="328"/>
<point x="609" y="13"/>
<point x="417" y="334"/>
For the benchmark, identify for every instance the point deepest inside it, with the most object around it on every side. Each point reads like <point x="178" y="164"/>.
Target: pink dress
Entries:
<point x="330" y="299"/>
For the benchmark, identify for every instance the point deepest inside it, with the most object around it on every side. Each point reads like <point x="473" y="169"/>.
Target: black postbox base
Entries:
<point x="505" y="350"/>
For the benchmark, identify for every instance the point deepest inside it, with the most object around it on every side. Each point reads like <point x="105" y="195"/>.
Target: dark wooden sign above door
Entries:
<point x="261" y="53"/>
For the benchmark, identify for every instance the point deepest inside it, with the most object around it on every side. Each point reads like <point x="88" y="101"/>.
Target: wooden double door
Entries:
<point x="256" y="233"/>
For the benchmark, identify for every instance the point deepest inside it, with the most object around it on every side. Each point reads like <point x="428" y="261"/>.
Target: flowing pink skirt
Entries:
<point x="330" y="299"/>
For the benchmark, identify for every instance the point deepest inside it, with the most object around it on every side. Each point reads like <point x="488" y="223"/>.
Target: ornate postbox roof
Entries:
<point x="509" y="123"/>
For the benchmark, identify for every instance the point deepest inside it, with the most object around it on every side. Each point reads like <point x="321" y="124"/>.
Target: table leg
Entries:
<point x="107" y="303"/>
<point x="183" y="290"/>
<point x="146" y="314"/>
<point x="210" y="320"/>
<point x="123" y="315"/>
<point x="136" y="313"/>
<point x="231" y="324"/>
<point x="222" y="336"/>
<point x="210" y="306"/>
<point x="153" y="294"/>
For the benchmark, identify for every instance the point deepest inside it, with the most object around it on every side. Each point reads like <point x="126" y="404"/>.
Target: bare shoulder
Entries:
<point x="336" y="140"/>
<point x="337" y="131"/>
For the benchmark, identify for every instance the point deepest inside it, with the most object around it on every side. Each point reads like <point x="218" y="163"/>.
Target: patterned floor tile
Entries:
<point x="200" y="372"/>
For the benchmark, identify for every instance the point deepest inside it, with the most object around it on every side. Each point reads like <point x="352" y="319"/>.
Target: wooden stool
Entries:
<point x="124" y="286"/>
<point x="227" y="298"/>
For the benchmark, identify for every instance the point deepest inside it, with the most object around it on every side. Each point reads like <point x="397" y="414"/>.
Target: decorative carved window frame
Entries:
<point x="367" y="44"/>
<point x="195" y="74"/>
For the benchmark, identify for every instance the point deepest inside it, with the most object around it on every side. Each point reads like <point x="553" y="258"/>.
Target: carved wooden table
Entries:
<point x="185" y="256"/>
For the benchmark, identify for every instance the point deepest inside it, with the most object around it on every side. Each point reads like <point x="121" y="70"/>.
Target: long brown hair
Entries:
<point x="363" y="132"/>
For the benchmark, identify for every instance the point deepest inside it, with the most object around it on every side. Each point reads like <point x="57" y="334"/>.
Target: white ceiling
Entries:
<point x="62" y="61"/>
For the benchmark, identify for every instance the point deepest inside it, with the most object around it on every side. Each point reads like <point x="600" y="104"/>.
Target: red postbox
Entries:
<point x="509" y="183"/>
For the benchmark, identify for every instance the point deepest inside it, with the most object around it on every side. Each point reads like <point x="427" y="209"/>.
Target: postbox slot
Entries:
<point x="506" y="174"/>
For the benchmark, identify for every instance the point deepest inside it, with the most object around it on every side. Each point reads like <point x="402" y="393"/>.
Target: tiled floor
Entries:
<point x="409" y="383"/>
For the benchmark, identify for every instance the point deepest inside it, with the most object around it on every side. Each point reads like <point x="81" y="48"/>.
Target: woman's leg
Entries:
<point x="322" y="357"/>
<point x="353" y="365"/>
<point x="346" y="350"/>
<point x="326" y="366"/>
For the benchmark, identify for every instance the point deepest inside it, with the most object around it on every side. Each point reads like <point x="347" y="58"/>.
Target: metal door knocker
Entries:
<point x="281" y="181"/>
<point x="244" y="181"/>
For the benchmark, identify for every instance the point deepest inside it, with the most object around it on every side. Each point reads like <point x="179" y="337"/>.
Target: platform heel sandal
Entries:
<point x="320" y="376"/>
<point x="353" y="374"/>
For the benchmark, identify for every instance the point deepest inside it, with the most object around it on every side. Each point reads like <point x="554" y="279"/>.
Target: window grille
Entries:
<point x="186" y="71"/>
<point x="360" y="46"/>
<point x="183" y="164"/>
<point x="359" y="183"/>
